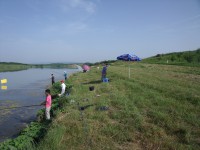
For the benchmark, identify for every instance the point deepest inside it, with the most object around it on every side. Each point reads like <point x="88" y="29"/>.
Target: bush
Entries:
<point x="27" y="138"/>
<point x="188" y="57"/>
<point x="173" y="58"/>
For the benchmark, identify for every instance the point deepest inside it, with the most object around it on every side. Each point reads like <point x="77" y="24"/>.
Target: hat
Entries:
<point x="62" y="81"/>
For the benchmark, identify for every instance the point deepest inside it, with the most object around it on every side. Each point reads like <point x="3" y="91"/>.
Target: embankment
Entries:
<point x="156" y="108"/>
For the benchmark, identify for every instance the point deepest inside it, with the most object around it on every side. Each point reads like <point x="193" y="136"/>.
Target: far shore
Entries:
<point x="12" y="66"/>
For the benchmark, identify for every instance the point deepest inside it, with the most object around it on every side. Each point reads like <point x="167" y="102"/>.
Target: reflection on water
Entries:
<point x="24" y="88"/>
<point x="3" y="87"/>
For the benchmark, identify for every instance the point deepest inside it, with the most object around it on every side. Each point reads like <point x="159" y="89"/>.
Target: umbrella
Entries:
<point x="128" y="57"/>
<point x="86" y="68"/>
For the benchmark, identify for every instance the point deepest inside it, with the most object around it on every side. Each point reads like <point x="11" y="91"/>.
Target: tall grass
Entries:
<point x="157" y="108"/>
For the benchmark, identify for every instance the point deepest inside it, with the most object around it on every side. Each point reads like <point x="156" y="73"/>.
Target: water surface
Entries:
<point x="24" y="88"/>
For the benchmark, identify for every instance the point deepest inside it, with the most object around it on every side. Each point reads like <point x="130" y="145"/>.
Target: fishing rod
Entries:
<point x="26" y="88"/>
<point x="58" y="73"/>
<point x="53" y="97"/>
<point x="19" y="107"/>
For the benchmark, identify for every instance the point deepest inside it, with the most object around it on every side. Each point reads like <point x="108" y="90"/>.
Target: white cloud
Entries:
<point x="86" y="5"/>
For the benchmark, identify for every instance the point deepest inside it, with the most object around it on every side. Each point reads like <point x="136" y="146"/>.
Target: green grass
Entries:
<point x="186" y="58"/>
<point x="157" y="108"/>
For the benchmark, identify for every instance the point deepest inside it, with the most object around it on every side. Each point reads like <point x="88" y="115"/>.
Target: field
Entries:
<point x="156" y="108"/>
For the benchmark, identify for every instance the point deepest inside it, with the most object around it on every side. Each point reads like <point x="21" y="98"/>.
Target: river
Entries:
<point x="24" y="88"/>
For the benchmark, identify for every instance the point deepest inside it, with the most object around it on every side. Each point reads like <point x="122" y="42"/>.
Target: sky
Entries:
<point x="50" y="31"/>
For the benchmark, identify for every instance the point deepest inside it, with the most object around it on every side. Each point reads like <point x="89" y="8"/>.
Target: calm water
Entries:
<point x="24" y="88"/>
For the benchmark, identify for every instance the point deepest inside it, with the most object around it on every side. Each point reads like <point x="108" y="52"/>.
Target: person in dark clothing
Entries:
<point x="103" y="72"/>
<point x="52" y="79"/>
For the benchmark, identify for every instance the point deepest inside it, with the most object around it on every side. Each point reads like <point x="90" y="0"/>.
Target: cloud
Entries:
<point x="86" y="5"/>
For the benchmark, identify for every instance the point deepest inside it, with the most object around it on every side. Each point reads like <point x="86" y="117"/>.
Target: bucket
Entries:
<point x="105" y="80"/>
<point x="91" y="88"/>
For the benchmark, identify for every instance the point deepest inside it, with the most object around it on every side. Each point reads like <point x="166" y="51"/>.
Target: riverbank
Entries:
<point x="25" y="89"/>
<point x="156" y="108"/>
<point x="36" y="130"/>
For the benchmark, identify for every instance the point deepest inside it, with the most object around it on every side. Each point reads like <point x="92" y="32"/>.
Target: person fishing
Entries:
<point x="104" y="71"/>
<point x="47" y="104"/>
<point x="65" y="75"/>
<point x="52" y="79"/>
<point x="63" y="86"/>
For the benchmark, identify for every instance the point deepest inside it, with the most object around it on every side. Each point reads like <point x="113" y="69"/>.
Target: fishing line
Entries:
<point x="26" y="88"/>
<point x="19" y="107"/>
<point x="58" y="73"/>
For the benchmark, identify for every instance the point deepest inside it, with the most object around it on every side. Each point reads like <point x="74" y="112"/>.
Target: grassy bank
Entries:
<point x="36" y="130"/>
<point x="186" y="58"/>
<point x="157" y="108"/>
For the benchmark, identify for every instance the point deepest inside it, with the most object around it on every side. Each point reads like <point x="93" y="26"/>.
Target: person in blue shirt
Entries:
<point x="104" y="71"/>
<point x="65" y="75"/>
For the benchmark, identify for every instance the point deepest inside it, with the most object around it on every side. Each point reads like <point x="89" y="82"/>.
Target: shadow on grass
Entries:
<point x="93" y="82"/>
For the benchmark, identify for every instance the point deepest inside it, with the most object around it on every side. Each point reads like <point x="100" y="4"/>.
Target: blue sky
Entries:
<point x="42" y="31"/>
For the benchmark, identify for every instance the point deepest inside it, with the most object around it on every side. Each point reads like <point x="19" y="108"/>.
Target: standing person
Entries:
<point x="52" y="79"/>
<point x="47" y="104"/>
<point x="63" y="86"/>
<point x="65" y="75"/>
<point x="104" y="71"/>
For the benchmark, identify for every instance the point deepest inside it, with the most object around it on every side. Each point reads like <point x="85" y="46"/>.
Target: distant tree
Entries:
<point x="198" y="59"/>
<point x="198" y="51"/>
<point x="172" y="58"/>
<point x="188" y="57"/>
<point x="179" y="56"/>
<point x="158" y="55"/>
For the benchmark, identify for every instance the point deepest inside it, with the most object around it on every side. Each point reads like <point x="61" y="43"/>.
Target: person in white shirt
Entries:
<point x="63" y="86"/>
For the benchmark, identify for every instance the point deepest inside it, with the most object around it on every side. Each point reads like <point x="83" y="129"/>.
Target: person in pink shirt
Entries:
<point x="47" y="103"/>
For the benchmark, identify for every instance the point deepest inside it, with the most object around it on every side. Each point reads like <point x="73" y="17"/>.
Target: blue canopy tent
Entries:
<point x="128" y="57"/>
